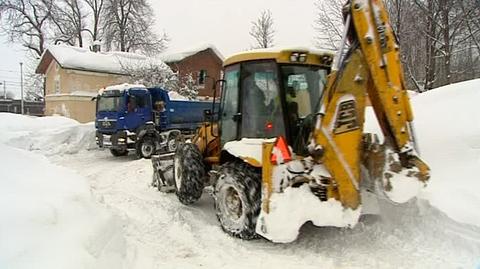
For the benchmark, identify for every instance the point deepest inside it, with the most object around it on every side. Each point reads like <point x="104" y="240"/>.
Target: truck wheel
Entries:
<point x="174" y="139"/>
<point x="237" y="199"/>
<point x="146" y="147"/>
<point x="189" y="173"/>
<point x="119" y="152"/>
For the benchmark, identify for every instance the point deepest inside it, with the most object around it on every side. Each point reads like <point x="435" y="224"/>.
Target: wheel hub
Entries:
<point x="172" y="145"/>
<point x="233" y="203"/>
<point x="147" y="149"/>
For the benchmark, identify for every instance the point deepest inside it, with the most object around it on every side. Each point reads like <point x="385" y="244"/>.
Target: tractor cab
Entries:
<point x="272" y="93"/>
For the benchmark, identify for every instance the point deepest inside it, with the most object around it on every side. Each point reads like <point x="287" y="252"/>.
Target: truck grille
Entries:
<point x="107" y="124"/>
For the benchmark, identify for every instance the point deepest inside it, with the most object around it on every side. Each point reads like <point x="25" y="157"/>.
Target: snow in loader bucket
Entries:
<point x="163" y="172"/>
<point x="296" y="206"/>
<point x="292" y="207"/>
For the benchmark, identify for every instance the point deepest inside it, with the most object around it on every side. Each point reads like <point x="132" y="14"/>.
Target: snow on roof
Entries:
<point x="177" y="56"/>
<point x="121" y="87"/>
<point x="83" y="59"/>
<point x="280" y="49"/>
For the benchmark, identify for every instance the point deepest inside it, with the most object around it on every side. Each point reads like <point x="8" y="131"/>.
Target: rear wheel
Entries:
<point x="146" y="147"/>
<point x="189" y="173"/>
<point x="237" y="199"/>
<point x="119" y="152"/>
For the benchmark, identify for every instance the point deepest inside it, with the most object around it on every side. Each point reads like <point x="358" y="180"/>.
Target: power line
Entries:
<point x="9" y="71"/>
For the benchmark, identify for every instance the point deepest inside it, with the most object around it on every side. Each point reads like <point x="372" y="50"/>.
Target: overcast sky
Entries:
<point x="189" y="23"/>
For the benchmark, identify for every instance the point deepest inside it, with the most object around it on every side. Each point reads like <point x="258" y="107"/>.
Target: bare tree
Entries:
<point x="262" y="30"/>
<point x="69" y="17"/>
<point x="128" y="27"/>
<point x="97" y="9"/>
<point x="25" y="22"/>
<point x="328" y="24"/>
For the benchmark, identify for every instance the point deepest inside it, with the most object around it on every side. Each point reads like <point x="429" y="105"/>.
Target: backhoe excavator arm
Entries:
<point x="372" y="68"/>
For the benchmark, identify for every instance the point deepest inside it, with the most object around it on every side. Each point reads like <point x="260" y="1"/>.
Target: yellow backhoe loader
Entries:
<point x="289" y="144"/>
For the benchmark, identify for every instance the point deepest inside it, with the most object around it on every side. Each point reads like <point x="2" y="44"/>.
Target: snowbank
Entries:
<point x="48" y="218"/>
<point x="447" y="123"/>
<point x="448" y="127"/>
<point x="49" y="135"/>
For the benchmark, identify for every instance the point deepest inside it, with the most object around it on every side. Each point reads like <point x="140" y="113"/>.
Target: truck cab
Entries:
<point x="134" y="117"/>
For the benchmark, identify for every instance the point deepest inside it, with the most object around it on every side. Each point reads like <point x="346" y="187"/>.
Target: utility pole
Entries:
<point x="21" y="85"/>
<point x="4" y="90"/>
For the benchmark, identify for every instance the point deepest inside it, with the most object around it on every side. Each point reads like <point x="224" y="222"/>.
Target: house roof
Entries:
<point x="69" y="57"/>
<point x="177" y="56"/>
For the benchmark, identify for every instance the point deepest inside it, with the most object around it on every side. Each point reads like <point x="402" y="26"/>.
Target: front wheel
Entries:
<point x="189" y="173"/>
<point x="119" y="152"/>
<point x="237" y="199"/>
<point x="145" y="147"/>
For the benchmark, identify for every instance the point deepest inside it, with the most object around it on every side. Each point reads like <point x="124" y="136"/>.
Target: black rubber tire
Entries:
<point x="244" y="181"/>
<point x="119" y="152"/>
<point x="146" y="141"/>
<point x="189" y="173"/>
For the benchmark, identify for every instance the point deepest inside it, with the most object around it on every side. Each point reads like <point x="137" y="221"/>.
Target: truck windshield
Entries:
<point x="109" y="103"/>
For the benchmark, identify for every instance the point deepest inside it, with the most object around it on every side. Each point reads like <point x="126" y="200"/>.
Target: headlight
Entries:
<point x="298" y="57"/>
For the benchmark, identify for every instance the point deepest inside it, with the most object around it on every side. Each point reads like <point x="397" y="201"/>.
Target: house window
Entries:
<point x="202" y="75"/>
<point x="57" y="85"/>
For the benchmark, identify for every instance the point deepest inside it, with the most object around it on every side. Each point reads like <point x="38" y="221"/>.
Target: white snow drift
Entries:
<point x="48" y="218"/>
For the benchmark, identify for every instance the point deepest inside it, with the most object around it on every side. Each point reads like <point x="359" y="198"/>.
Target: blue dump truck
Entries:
<point x="133" y="117"/>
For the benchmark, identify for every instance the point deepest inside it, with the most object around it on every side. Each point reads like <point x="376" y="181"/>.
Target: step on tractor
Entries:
<point x="289" y="144"/>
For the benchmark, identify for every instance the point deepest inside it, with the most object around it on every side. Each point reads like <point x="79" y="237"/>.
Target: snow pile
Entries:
<point x="175" y="96"/>
<point x="247" y="149"/>
<point x="48" y="218"/>
<point x="447" y="122"/>
<point x="448" y="127"/>
<point x="49" y="135"/>
<point x="295" y="206"/>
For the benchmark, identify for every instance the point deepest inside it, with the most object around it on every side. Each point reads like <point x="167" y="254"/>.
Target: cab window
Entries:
<point x="262" y="115"/>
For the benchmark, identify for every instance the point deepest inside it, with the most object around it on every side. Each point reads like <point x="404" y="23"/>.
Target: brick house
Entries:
<point x="202" y="59"/>
<point x="74" y="75"/>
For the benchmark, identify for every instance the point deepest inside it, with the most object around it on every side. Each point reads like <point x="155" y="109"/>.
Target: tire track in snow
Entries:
<point x="161" y="232"/>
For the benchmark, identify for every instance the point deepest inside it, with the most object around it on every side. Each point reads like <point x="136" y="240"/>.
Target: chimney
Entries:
<point x="96" y="46"/>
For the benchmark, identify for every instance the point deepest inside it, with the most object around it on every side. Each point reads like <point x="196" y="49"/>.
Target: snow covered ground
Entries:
<point x="64" y="204"/>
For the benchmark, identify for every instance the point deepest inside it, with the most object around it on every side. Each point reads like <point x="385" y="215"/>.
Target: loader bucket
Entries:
<point x="398" y="178"/>
<point x="163" y="172"/>
<point x="294" y="193"/>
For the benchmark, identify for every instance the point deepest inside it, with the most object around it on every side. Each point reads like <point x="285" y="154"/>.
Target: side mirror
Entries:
<point x="207" y="114"/>
<point x="94" y="98"/>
